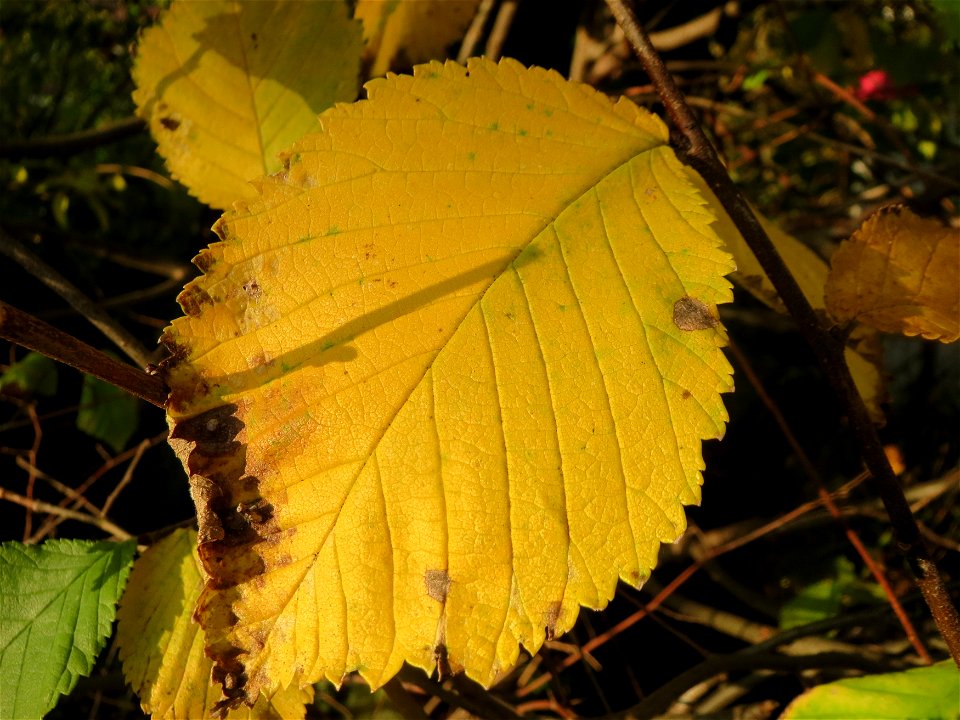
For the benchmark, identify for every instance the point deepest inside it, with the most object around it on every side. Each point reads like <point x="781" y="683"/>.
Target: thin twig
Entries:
<point x="69" y="144"/>
<point x="814" y="475"/>
<point x="660" y="699"/>
<point x="39" y="506"/>
<point x="32" y="473"/>
<point x="127" y="477"/>
<point x="482" y="705"/>
<point x="61" y="488"/>
<point x="472" y="38"/>
<point x="24" y="329"/>
<point x="113" y="462"/>
<point x="80" y="302"/>
<point x="402" y="701"/>
<point x="696" y="151"/>
<point x="135" y="171"/>
<point x="501" y="28"/>
<point x="640" y="94"/>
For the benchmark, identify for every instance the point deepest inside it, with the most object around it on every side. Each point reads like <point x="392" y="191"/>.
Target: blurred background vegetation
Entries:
<point x="824" y="111"/>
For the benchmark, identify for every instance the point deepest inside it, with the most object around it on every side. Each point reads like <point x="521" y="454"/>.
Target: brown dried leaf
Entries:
<point x="899" y="273"/>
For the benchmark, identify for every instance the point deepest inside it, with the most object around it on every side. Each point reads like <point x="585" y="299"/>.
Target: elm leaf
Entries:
<point x="899" y="273"/>
<point x="931" y="693"/>
<point x="57" y="604"/>
<point x="161" y="647"/>
<point x="446" y="380"/>
<point x="226" y="85"/>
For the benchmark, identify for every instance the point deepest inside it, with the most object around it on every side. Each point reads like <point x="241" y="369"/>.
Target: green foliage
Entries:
<point x="931" y="693"/>
<point x="35" y="374"/>
<point x="828" y="597"/>
<point x="57" y="605"/>
<point x="107" y="412"/>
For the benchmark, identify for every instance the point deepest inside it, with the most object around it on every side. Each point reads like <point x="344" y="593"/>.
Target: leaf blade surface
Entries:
<point x="899" y="273"/>
<point x="57" y="604"/>
<point x="161" y="647"/>
<point x="416" y="434"/>
<point x="222" y="85"/>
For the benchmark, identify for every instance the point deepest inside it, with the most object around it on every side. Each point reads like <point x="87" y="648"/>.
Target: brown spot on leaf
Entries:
<point x="170" y="123"/>
<point x="437" y="583"/>
<point x="222" y="230"/>
<point x="443" y="662"/>
<point x="204" y="261"/>
<point x="193" y="298"/>
<point x="550" y="617"/>
<point x="691" y="314"/>
<point x="252" y="289"/>
<point x="234" y="519"/>
<point x="685" y="394"/>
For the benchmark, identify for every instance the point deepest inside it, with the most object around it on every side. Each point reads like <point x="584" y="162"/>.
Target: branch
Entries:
<point x="24" y="329"/>
<point x="42" y="507"/>
<point x="80" y="302"/>
<point x="659" y="700"/>
<point x="71" y="143"/>
<point x="698" y="153"/>
<point x="483" y="704"/>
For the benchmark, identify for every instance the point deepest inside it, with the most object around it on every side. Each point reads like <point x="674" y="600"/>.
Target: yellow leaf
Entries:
<point x="899" y="273"/>
<point x="224" y="89"/>
<point x="161" y="647"/>
<point x="405" y="32"/>
<point x="863" y="352"/>
<point x="432" y="391"/>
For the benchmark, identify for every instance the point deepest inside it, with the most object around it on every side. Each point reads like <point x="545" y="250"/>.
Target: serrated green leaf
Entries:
<point x="107" y="412"/>
<point x="57" y="604"/>
<point x="931" y="693"/>
<point x="35" y="374"/>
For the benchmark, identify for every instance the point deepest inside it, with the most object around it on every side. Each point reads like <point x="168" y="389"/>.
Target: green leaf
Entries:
<point x="107" y="412"/>
<point x="928" y="692"/>
<point x="57" y="604"/>
<point x="36" y="374"/>
<point x="949" y="18"/>
<point x="828" y="597"/>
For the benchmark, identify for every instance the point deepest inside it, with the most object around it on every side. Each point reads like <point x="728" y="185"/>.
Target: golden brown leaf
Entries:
<point x="899" y="273"/>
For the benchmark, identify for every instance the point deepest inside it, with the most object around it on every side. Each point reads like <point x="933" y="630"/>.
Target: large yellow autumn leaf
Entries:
<point x="446" y="380"/>
<point x="223" y="87"/>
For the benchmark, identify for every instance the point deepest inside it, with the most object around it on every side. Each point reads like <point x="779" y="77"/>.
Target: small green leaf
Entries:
<point x="828" y="597"/>
<point x="36" y="374"/>
<point x="57" y="604"/>
<point x="107" y="412"/>
<point x="932" y="693"/>
<point x="756" y="80"/>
